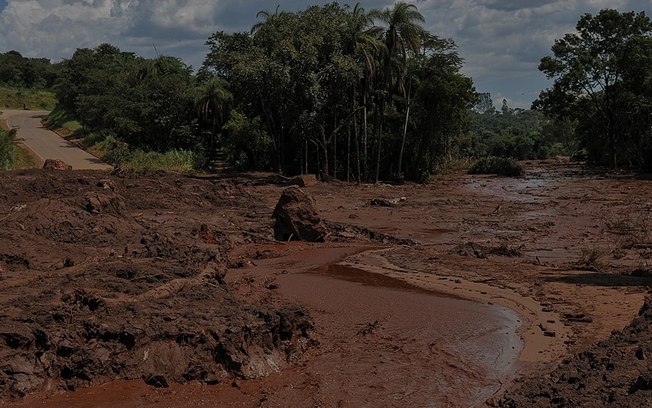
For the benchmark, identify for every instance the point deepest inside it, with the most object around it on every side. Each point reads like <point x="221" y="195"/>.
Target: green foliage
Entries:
<point x="23" y="98"/>
<point x="148" y="104"/>
<point x="113" y="151"/>
<point x="325" y="90"/>
<point x="497" y="165"/>
<point x="62" y="121"/>
<point x="11" y="156"/>
<point x="247" y="144"/>
<point x="520" y="134"/>
<point x="603" y="84"/>
<point x="181" y="161"/>
<point x="32" y="73"/>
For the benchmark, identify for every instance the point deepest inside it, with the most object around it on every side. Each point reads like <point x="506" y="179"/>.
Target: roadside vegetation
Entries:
<point x="26" y="83"/>
<point x="347" y="93"/>
<point x="12" y="157"/>
<point x="23" y="98"/>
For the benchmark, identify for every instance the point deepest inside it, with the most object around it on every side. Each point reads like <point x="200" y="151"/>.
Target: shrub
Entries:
<point x="182" y="161"/>
<point x="497" y="165"/>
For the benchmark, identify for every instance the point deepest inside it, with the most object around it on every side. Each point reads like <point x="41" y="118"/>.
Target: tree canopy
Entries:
<point x="332" y="89"/>
<point x="602" y="80"/>
<point x="19" y="71"/>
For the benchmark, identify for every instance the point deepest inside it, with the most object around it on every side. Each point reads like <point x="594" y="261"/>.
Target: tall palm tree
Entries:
<point x="402" y="33"/>
<point x="267" y="17"/>
<point x="211" y="104"/>
<point x="364" y="43"/>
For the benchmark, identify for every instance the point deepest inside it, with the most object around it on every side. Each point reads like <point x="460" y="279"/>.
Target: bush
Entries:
<point x="114" y="151"/>
<point x="497" y="165"/>
<point x="182" y="161"/>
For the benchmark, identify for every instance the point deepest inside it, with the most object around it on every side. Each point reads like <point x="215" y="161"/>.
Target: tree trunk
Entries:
<point x="357" y="147"/>
<point x="381" y="113"/>
<point x="407" y="118"/>
<point x="335" y="150"/>
<point x="348" y="154"/>
<point x="364" y="140"/>
<point x="324" y="164"/>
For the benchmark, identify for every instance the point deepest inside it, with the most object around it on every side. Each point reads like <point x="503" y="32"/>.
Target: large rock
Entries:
<point x="52" y="164"/>
<point x="296" y="217"/>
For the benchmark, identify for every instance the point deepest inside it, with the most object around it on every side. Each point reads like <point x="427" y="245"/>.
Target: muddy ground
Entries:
<point x="120" y="289"/>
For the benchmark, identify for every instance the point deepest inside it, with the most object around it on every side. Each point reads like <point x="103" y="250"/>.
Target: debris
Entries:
<point x="386" y="202"/>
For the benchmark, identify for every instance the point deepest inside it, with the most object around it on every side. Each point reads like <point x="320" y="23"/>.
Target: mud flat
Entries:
<point x="417" y="303"/>
<point x="383" y="342"/>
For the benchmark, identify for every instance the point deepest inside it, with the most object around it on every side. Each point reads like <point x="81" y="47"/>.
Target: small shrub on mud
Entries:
<point x="497" y="165"/>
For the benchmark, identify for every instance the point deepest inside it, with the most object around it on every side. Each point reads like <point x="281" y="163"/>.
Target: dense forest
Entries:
<point x="353" y="94"/>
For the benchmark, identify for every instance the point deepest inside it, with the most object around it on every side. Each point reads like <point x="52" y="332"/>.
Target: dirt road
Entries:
<point x="46" y="144"/>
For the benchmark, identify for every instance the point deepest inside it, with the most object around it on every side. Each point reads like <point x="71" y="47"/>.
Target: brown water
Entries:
<point x="383" y="343"/>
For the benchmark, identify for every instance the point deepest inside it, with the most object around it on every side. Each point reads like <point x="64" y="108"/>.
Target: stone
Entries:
<point x="296" y="218"/>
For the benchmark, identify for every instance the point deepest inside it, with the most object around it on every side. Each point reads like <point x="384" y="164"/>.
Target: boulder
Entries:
<point x="53" y="164"/>
<point x="296" y="218"/>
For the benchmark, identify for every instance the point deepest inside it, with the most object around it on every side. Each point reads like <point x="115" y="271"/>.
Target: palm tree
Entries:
<point x="366" y="45"/>
<point x="267" y="17"/>
<point x="211" y="103"/>
<point x="402" y="35"/>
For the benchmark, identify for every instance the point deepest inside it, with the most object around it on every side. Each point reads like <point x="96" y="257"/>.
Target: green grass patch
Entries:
<point x="22" y="98"/>
<point x="63" y="122"/>
<point x="497" y="165"/>
<point x="114" y="151"/>
<point x="13" y="157"/>
<point x="181" y="161"/>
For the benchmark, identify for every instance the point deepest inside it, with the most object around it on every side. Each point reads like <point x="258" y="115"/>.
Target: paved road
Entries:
<point x="47" y="144"/>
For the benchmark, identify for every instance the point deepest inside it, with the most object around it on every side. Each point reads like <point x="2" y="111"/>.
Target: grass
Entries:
<point x="114" y="151"/>
<point x="497" y="165"/>
<point x="63" y="122"/>
<point x="181" y="161"/>
<point x="12" y="157"/>
<point x="22" y="98"/>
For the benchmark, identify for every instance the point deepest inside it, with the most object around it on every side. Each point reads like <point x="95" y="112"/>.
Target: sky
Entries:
<point x="501" y="41"/>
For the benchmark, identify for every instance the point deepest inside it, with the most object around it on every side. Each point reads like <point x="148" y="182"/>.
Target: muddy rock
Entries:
<point x="52" y="164"/>
<point x="296" y="218"/>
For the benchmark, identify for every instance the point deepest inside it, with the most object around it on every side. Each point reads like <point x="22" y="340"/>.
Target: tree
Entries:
<point x="211" y="104"/>
<point x="485" y="104"/>
<point x="593" y="74"/>
<point x="402" y="36"/>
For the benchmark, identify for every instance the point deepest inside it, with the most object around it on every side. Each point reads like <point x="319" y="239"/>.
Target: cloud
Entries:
<point x="501" y="40"/>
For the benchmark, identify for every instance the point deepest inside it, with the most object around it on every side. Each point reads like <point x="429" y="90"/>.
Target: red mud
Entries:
<point x="564" y="248"/>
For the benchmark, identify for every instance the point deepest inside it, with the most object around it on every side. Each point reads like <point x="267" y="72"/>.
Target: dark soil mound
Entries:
<point x="616" y="372"/>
